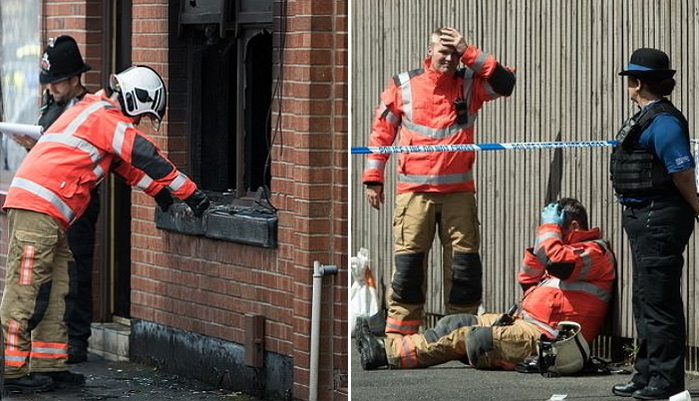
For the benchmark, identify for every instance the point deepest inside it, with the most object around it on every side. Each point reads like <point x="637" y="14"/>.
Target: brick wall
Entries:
<point x="206" y="286"/>
<point x="310" y="172"/>
<point x="80" y="19"/>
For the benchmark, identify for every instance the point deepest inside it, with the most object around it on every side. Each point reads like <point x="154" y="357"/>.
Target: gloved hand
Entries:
<point x="553" y="214"/>
<point x="164" y="199"/>
<point x="198" y="202"/>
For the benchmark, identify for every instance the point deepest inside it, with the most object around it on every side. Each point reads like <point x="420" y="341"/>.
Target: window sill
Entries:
<point x="245" y="225"/>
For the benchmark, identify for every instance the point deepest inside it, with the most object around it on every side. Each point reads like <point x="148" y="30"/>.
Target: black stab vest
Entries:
<point x="635" y="172"/>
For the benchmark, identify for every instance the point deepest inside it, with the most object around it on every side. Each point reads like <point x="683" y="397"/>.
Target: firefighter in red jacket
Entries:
<point x="567" y="276"/>
<point x="50" y="190"/>
<point x="435" y="105"/>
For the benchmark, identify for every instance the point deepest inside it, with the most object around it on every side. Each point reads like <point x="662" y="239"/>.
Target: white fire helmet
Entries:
<point x="141" y="92"/>
<point x="570" y="350"/>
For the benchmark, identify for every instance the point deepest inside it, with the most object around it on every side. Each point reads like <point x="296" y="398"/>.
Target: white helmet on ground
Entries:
<point x="570" y="349"/>
<point x="141" y="91"/>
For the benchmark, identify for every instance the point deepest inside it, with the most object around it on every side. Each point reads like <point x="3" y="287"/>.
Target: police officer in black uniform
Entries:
<point x="652" y="171"/>
<point x="61" y="70"/>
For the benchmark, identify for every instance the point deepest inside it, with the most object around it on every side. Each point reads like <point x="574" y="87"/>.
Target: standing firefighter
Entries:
<point x="50" y="190"/>
<point x="652" y="172"/>
<point x="434" y="105"/>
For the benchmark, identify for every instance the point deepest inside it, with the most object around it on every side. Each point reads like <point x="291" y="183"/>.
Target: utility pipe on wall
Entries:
<point x="318" y="272"/>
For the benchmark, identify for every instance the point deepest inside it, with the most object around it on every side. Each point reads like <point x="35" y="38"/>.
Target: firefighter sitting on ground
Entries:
<point x="567" y="276"/>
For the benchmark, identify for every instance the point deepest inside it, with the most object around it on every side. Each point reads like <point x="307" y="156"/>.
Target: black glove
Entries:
<point x="198" y="202"/>
<point x="164" y="199"/>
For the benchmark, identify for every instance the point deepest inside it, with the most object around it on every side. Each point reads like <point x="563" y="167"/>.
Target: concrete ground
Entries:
<point x="111" y="380"/>
<point x="456" y="381"/>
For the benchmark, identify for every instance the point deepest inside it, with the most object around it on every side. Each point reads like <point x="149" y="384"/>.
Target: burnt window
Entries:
<point x="221" y="63"/>
<point x="231" y="90"/>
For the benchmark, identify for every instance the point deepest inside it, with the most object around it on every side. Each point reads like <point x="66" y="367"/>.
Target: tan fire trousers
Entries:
<point x="33" y="302"/>
<point x="511" y="344"/>
<point x="417" y="216"/>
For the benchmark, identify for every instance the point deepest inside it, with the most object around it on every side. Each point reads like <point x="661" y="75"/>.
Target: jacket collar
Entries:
<point x="435" y="75"/>
<point x="582" y="235"/>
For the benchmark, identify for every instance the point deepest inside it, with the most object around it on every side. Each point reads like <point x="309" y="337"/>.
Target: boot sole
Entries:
<point x="8" y="388"/>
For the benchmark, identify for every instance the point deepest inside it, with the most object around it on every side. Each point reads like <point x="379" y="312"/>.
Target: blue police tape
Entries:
<point x="479" y="147"/>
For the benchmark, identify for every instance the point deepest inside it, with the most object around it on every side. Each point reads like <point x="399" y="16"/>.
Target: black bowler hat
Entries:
<point x="61" y="60"/>
<point x="649" y="64"/>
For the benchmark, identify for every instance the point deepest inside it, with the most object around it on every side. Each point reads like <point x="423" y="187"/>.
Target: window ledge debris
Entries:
<point x="247" y="225"/>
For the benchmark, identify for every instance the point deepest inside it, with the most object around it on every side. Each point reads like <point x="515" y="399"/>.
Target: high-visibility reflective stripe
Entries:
<point x="392" y="119"/>
<point x="44" y="350"/>
<point x="46" y="194"/>
<point x="373" y="163"/>
<point x="436" y="179"/>
<point x="26" y="265"/>
<point x="119" y="137"/>
<point x="402" y="326"/>
<point x="439" y="133"/>
<point x="12" y="340"/>
<point x="586" y="265"/>
<point x="15" y="359"/>
<point x="477" y="65"/>
<point x="468" y="85"/>
<point x="528" y="270"/>
<point x="540" y="252"/>
<point x="589" y="288"/>
<point x="548" y="234"/>
<point x="528" y="318"/>
<point x="489" y="89"/>
<point x="82" y="117"/>
<point x="177" y="183"/>
<point x="408" y="356"/>
<point x="144" y="182"/>
<point x="77" y="143"/>
<point x="14" y="356"/>
<point x="467" y="73"/>
<point x="407" y="96"/>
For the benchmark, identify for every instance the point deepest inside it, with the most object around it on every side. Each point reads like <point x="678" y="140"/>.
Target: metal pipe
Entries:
<point x="318" y="272"/>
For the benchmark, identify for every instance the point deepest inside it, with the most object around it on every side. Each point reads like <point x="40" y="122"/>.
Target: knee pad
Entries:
<point x="478" y="342"/>
<point x="467" y="279"/>
<point x="447" y="324"/>
<point x="41" y="305"/>
<point x="408" y="279"/>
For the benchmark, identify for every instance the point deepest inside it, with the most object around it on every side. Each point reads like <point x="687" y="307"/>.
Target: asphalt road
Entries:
<point x="456" y="381"/>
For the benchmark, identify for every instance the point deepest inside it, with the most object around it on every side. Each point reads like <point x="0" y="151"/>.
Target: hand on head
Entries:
<point x="452" y="37"/>
<point x="553" y="214"/>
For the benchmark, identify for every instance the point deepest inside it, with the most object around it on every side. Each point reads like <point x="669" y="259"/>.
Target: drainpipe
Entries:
<point x="318" y="272"/>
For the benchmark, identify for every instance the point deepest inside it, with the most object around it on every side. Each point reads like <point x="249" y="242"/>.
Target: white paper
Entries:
<point x="13" y="129"/>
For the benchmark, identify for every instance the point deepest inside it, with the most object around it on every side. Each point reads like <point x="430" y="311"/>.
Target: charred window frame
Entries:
<point x="228" y="93"/>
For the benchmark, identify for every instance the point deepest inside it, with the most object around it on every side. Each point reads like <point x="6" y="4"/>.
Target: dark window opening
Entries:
<point x="258" y="67"/>
<point x="230" y="124"/>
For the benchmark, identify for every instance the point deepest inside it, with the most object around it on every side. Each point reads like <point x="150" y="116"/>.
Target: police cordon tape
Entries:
<point x="479" y="147"/>
<point x="363" y="150"/>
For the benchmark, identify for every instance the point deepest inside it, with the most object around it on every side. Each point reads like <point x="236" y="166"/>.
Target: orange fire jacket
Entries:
<point x="89" y="140"/>
<point x="567" y="278"/>
<point x="419" y="105"/>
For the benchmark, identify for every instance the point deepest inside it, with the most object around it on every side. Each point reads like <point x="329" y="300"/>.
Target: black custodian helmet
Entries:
<point x="61" y="60"/>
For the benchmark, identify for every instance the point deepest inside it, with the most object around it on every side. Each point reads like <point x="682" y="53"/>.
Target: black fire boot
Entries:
<point x="31" y="383"/>
<point x="372" y="352"/>
<point x="64" y="378"/>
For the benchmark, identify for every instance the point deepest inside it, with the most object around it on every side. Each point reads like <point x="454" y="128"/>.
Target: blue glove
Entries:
<point x="552" y="214"/>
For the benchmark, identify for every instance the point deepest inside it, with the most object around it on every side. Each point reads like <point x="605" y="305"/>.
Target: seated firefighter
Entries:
<point x="568" y="276"/>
